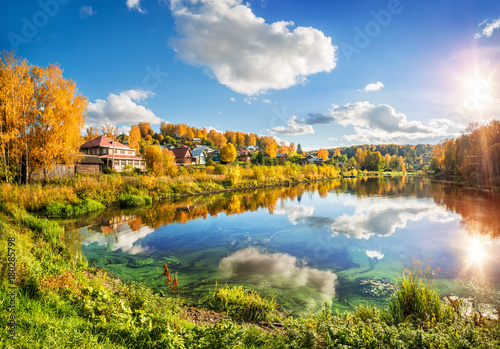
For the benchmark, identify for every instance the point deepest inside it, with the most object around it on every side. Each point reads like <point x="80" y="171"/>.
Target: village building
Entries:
<point x="183" y="156"/>
<point x="113" y="154"/>
<point x="199" y="156"/>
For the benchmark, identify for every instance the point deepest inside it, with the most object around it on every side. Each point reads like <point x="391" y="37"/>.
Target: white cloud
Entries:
<point x="232" y="99"/>
<point x="487" y="27"/>
<point x="244" y="52"/>
<point x="374" y="254"/>
<point x="249" y="100"/>
<point x="283" y="271"/>
<point x="122" y="108"/>
<point x="86" y="11"/>
<point x="265" y="100"/>
<point x="293" y="128"/>
<point x="210" y="128"/>
<point x="135" y="5"/>
<point x="373" y="87"/>
<point x="379" y="124"/>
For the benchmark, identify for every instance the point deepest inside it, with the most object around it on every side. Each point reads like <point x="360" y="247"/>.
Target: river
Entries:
<point x="343" y="242"/>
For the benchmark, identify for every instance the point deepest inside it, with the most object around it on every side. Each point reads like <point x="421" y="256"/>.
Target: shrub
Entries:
<point x="135" y="200"/>
<point x="237" y="301"/>
<point x="416" y="300"/>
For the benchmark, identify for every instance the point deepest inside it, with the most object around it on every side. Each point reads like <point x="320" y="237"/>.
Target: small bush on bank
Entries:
<point x="248" y="305"/>
<point x="135" y="200"/>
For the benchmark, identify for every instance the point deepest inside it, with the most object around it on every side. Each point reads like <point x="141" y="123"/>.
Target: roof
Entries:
<point x="208" y="149"/>
<point x="181" y="152"/>
<point x="89" y="159"/>
<point x="103" y="141"/>
<point x="197" y="152"/>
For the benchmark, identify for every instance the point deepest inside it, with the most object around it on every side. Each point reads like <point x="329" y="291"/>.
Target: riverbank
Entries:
<point x="61" y="301"/>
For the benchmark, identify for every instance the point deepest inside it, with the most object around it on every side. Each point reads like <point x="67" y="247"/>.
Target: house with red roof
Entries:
<point x="114" y="154"/>
<point x="183" y="156"/>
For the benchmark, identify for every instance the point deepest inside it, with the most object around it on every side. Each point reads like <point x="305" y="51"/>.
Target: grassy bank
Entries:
<point x="78" y="195"/>
<point x="59" y="301"/>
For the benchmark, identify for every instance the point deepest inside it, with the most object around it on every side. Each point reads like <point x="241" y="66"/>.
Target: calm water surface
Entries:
<point x="343" y="242"/>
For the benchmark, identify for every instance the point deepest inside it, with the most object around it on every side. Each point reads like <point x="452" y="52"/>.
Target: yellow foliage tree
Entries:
<point x="41" y="117"/>
<point x="134" y="137"/>
<point x="160" y="162"/>
<point x="271" y="148"/>
<point x="228" y="153"/>
<point x="323" y="154"/>
<point x="92" y="132"/>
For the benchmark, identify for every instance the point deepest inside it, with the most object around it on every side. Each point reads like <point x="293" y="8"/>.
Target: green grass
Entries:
<point x="58" y="209"/>
<point x="135" y="200"/>
<point x="417" y="301"/>
<point x="244" y="304"/>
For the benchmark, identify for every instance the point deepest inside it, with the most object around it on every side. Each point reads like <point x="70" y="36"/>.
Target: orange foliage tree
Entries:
<point x="323" y="154"/>
<point x="134" y="137"/>
<point x="91" y="133"/>
<point x="41" y="117"/>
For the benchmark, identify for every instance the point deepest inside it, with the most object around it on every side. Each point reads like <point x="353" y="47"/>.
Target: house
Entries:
<point x="113" y="154"/>
<point x="309" y="159"/>
<point x="199" y="156"/>
<point x="243" y="157"/>
<point x="216" y="155"/>
<point x="183" y="156"/>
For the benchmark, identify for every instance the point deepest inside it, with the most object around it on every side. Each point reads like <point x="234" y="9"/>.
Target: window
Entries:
<point x="121" y="151"/>
<point x="105" y="151"/>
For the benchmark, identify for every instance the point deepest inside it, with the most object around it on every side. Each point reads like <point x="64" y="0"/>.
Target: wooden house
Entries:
<point x="113" y="154"/>
<point x="183" y="156"/>
<point x="199" y="156"/>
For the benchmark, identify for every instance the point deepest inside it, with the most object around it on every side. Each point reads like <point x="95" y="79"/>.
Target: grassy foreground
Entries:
<point x="51" y="298"/>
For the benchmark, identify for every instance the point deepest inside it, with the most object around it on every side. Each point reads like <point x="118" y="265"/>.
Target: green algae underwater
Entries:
<point x="343" y="242"/>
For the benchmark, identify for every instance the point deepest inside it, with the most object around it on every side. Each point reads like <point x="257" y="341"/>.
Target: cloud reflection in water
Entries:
<point x="280" y="270"/>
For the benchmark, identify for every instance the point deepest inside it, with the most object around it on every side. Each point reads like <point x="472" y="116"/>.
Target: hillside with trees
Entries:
<point x="473" y="157"/>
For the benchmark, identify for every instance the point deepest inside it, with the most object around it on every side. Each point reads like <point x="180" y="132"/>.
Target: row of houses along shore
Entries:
<point x="103" y="152"/>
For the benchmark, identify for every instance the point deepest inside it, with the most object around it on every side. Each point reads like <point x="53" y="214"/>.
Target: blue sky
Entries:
<point x="320" y="73"/>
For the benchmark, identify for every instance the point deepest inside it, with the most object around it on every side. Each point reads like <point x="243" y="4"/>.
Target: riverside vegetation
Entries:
<point x="63" y="302"/>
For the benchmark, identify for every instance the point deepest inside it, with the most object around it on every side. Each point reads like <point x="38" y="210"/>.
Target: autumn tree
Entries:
<point x="110" y="131"/>
<point x="16" y="106"/>
<point x="160" y="162"/>
<point x="228" y="153"/>
<point x="270" y="146"/>
<point x="189" y="134"/>
<point x="292" y="147"/>
<point x="164" y="129"/>
<point x="323" y="154"/>
<point x="91" y="133"/>
<point x="250" y="139"/>
<point x="180" y="130"/>
<point x="134" y="137"/>
<point x="41" y="117"/>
